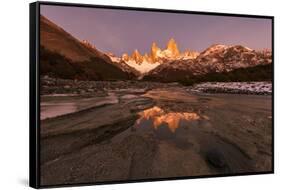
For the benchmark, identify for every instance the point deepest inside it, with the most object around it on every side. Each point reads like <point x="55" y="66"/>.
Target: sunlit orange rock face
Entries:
<point x="147" y="58"/>
<point x="190" y="54"/>
<point x="125" y="57"/>
<point x="173" y="47"/>
<point x="154" y="52"/>
<point x="172" y="52"/>
<point x="137" y="57"/>
<point x="158" y="117"/>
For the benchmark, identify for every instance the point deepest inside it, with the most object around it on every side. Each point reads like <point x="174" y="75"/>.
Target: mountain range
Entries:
<point x="148" y="61"/>
<point x="215" y="59"/>
<point x="64" y="56"/>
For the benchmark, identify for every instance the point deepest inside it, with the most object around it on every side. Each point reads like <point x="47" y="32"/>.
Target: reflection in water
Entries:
<point x="49" y="110"/>
<point x="159" y="117"/>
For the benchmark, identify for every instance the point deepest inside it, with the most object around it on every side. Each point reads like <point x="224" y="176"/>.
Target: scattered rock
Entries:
<point x="63" y="86"/>
<point x="216" y="158"/>
<point x="258" y="88"/>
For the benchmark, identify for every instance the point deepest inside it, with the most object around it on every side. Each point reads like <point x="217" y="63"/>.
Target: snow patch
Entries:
<point x="215" y="48"/>
<point x="144" y="67"/>
<point x="263" y="88"/>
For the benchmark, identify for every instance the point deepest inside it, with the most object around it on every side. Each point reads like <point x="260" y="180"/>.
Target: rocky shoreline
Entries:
<point x="251" y="88"/>
<point x="51" y="85"/>
<point x="58" y="86"/>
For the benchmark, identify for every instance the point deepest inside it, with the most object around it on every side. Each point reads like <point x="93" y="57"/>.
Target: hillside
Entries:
<point x="64" y="56"/>
<point x="57" y="65"/>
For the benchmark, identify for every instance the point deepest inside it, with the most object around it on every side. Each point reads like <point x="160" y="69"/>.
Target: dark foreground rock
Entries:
<point x="216" y="158"/>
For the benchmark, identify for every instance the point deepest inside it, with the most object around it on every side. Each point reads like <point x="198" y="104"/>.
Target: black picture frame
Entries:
<point x="34" y="93"/>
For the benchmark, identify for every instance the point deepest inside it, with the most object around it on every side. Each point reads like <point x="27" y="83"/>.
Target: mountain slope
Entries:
<point x="249" y="74"/>
<point x="64" y="56"/>
<point x="56" y="39"/>
<point x="57" y="65"/>
<point x="215" y="59"/>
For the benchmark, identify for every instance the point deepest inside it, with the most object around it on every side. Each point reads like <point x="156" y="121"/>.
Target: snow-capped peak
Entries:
<point x="146" y="62"/>
<point x="214" y="48"/>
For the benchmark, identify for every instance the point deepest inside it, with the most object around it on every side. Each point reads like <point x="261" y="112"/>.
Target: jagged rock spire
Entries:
<point x="137" y="56"/>
<point x="154" y="51"/>
<point x="173" y="47"/>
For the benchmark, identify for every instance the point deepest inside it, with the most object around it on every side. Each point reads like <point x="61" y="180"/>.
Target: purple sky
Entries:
<point x="120" y="31"/>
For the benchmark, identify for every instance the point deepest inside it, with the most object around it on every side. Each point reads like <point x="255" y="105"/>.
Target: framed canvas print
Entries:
<point x="120" y="94"/>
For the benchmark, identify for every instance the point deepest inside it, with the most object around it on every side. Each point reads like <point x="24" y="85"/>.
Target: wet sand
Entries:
<point x="160" y="133"/>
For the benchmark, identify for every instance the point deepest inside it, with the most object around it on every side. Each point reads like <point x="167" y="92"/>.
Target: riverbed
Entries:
<point x="131" y="134"/>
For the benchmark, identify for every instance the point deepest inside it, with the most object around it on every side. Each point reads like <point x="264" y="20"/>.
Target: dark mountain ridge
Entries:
<point x="64" y="56"/>
<point x="215" y="59"/>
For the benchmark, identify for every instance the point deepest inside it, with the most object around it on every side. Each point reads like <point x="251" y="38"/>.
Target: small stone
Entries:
<point x="82" y="91"/>
<point x="216" y="158"/>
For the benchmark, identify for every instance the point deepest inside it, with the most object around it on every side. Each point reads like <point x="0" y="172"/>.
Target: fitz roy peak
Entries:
<point x="148" y="61"/>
